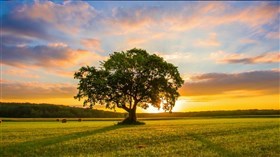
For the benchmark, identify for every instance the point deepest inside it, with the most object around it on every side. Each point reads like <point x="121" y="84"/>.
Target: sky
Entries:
<point x="227" y="52"/>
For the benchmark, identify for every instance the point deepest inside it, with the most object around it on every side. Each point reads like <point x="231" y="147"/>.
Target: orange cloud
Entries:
<point x="88" y="58"/>
<point x="248" y="41"/>
<point x="4" y="81"/>
<point x="93" y="44"/>
<point x="205" y="15"/>
<point x="252" y="16"/>
<point x="55" y="55"/>
<point x="127" y="20"/>
<point x="256" y="16"/>
<point x="273" y="35"/>
<point x="30" y="90"/>
<point x="61" y="15"/>
<point x="209" y="16"/>
<point x="63" y="73"/>
<point x="210" y="41"/>
<point x="220" y="55"/>
<point x="144" y="38"/>
<point x="20" y="73"/>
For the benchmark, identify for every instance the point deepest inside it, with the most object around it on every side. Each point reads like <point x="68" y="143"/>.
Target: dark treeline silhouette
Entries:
<point x="233" y="113"/>
<point x="29" y="110"/>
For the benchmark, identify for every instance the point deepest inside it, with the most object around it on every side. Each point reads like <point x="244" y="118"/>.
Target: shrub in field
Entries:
<point x="80" y="119"/>
<point x="63" y="120"/>
<point x="129" y="80"/>
<point x="57" y="120"/>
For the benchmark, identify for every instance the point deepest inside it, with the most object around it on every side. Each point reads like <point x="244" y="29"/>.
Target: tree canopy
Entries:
<point x="129" y="80"/>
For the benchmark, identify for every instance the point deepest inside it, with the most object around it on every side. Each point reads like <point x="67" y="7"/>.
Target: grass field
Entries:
<point x="180" y="137"/>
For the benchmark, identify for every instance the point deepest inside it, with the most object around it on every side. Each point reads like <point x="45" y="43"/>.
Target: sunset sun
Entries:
<point x="152" y="109"/>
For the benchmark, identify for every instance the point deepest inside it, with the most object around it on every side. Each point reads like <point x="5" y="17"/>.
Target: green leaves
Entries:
<point x="130" y="79"/>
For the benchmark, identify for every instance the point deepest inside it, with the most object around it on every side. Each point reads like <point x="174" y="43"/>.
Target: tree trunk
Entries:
<point x="132" y="115"/>
<point x="131" y="119"/>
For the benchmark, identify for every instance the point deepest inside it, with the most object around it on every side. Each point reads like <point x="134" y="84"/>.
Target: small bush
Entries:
<point x="80" y="119"/>
<point x="57" y="120"/>
<point x="63" y="120"/>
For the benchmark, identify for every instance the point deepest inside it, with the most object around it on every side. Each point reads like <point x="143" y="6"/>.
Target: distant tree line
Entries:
<point x="29" y="110"/>
<point x="233" y="113"/>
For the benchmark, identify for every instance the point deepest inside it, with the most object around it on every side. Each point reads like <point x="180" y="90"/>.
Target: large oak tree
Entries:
<point x="129" y="80"/>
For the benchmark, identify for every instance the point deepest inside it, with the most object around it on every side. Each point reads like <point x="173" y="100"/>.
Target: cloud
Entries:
<point x="54" y="55"/>
<point x="144" y="38"/>
<point x="48" y="20"/>
<point x="23" y="73"/>
<point x="158" y="17"/>
<point x="162" y="27"/>
<point x="175" y="19"/>
<point x="265" y="82"/>
<point x="217" y="13"/>
<point x="273" y="57"/>
<point x="276" y="69"/>
<point x="175" y="56"/>
<point x="93" y="44"/>
<point x="164" y="18"/>
<point x="248" y="41"/>
<point x="60" y="44"/>
<point x="64" y="73"/>
<point x="253" y="16"/>
<point x="210" y="41"/>
<point x="222" y="57"/>
<point x="132" y="19"/>
<point x="14" y="40"/>
<point x="273" y="35"/>
<point x="25" y="27"/>
<point x="258" y="15"/>
<point x="29" y="90"/>
<point x="196" y="16"/>
<point x="68" y="17"/>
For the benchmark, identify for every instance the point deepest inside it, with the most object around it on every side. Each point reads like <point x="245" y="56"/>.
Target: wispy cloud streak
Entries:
<point x="266" y="82"/>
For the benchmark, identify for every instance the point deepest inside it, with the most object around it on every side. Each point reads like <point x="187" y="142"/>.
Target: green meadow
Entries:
<point x="258" y="137"/>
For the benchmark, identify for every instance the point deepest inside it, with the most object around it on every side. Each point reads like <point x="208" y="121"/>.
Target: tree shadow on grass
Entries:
<point x="215" y="147"/>
<point x="20" y="148"/>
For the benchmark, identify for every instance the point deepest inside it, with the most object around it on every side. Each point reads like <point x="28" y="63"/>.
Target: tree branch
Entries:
<point x="125" y="108"/>
<point x="122" y="106"/>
